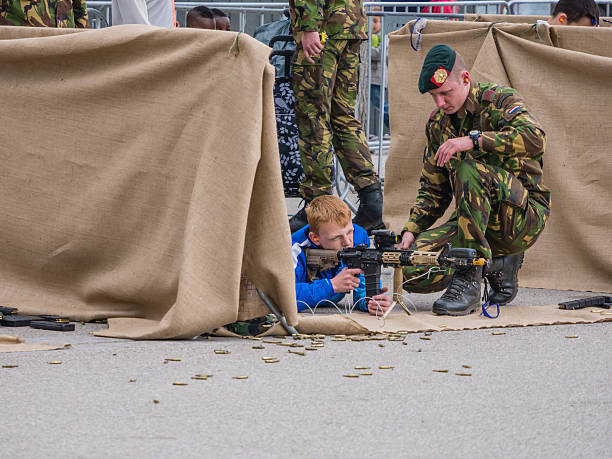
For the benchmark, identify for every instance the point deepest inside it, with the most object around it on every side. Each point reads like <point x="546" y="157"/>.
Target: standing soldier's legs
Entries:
<point x="313" y="86"/>
<point x="349" y="138"/>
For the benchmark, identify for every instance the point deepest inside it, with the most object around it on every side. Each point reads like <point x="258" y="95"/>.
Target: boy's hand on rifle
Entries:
<point x="379" y="304"/>
<point x="346" y="280"/>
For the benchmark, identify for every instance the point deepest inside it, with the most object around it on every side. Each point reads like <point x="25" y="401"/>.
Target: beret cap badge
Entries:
<point x="439" y="76"/>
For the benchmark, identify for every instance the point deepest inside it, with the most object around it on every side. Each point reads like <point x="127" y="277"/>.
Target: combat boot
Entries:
<point x="502" y="274"/>
<point x="369" y="213"/>
<point x="462" y="296"/>
<point x="299" y="220"/>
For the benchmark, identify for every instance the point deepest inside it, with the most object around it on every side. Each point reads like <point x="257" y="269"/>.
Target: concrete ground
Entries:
<point x="532" y="392"/>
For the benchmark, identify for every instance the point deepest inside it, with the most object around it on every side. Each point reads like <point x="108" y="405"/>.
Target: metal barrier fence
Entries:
<point x="393" y="15"/>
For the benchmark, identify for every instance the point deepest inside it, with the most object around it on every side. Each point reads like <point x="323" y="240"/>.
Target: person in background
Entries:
<point x="159" y="13"/>
<point x="222" y="20"/>
<point x="44" y="13"/>
<point x="201" y="17"/>
<point x="575" y="13"/>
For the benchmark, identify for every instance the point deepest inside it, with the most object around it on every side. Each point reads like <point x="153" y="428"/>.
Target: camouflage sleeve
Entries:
<point x="81" y="21"/>
<point x="519" y="133"/>
<point x="307" y="15"/>
<point x="434" y="195"/>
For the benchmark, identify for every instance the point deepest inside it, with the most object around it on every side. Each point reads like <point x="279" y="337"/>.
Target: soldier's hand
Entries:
<point x="311" y="44"/>
<point x="379" y="304"/>
<point x="449" y="148"/>
<point x="346" y="280"/>
<point x="407" y="241"/>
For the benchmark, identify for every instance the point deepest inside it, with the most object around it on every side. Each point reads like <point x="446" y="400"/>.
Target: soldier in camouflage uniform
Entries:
<point x="325" y="83"/>
<point x="44" y="13"/>
<point x="484" y="148"/>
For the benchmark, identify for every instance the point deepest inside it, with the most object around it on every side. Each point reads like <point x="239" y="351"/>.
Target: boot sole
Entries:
<point x="445" y="312"/>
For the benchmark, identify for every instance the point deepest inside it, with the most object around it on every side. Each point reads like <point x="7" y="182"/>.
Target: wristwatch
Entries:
<point x="475" y="135"/>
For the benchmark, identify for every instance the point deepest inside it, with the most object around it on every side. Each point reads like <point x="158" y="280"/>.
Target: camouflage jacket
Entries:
<point x="44" y="13"/>
<point x="511" y="139"/>
<point x="339" y="19"/>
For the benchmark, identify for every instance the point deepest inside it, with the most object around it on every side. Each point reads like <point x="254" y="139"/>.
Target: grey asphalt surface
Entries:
<point x="532" y="393"/>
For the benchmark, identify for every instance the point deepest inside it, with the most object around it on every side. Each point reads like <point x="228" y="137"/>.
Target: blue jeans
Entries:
<point x="375" y="101"/>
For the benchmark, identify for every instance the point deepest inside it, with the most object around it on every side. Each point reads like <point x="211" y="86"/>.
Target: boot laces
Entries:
<point x="456" y="288"/>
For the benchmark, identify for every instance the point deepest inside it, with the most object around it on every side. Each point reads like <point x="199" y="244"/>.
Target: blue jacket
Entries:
<point x="312" y="293"/>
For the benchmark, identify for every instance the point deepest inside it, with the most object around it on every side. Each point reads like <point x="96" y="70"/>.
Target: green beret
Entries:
<point x="436" y="68"/>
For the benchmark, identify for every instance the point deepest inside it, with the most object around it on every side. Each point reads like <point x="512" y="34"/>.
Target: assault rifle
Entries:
<point x="384" y="253"/>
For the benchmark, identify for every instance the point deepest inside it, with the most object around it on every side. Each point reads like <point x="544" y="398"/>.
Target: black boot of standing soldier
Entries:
<point x="462" y="296"/>
<point x="502" y="274"/>
<point x="369" y="213"/>
<point x="299" y="220"/>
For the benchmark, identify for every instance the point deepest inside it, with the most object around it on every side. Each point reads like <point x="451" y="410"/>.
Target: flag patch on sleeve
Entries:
<point x="513" y="109"/>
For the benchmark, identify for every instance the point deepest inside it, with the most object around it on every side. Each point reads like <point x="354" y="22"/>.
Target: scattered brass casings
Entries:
<point x="440" y="371"/>
<point x="268" y="358"/>
<point x="302" y="353"/>
<point x="425" y="338"/>
<point x="221" y="351"/>
<point x="338" y="339"/>
<point x="498" y="333"/>
<point x="201" y="375"/>
<point x="466" y="366"/>
<point x="463" y="374"/>
<point x="179" y="384"/>
<point x="366" y="374"/>
<point x="272" y="361"/>
<point x="572" y="336"/>
<point x="386" y="367"/>
<point x="173" y="360"/>
<point x="199" y="378"/>
<point x="362" y="368"/>
<point x="285" y="344"/>
<point x="257" y="347"/>
<point x="132" y="380"/>
<point x="241" y="377"/>
<point x="55" y="362"/>
<point x="272" y="341"/>
<point x="156" y="401"/>
<point x="10" y="366"/>
<point x="351" y="376"/>
<point x="381" y="345"/>
<point x="311" y="348"/>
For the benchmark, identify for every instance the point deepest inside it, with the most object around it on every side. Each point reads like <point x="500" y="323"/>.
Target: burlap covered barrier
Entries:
<point x="563" y="73"/>
<point x="520" y="18"/>
<point x="140" y="177"/>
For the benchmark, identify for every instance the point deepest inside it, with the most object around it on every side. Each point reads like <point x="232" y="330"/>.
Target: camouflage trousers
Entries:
<point x="325" y="95"/>
<point x="494" y="215"/>
<point x="44" y="13"/>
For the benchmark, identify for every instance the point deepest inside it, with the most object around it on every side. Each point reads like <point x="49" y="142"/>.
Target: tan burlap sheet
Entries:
<point x="563" y="73"/>
<point x="11" y="343"/>
<point x="140" y="177"/>
<point x="360" y="323"/>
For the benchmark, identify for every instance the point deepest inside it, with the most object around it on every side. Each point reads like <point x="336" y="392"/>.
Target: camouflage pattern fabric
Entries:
<point x="339" y="19"/>
<point x="501" y="202"/>
<point x="252" y="327"/>
<point x="325" y="96"/>
<point x="44" y="13"/>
